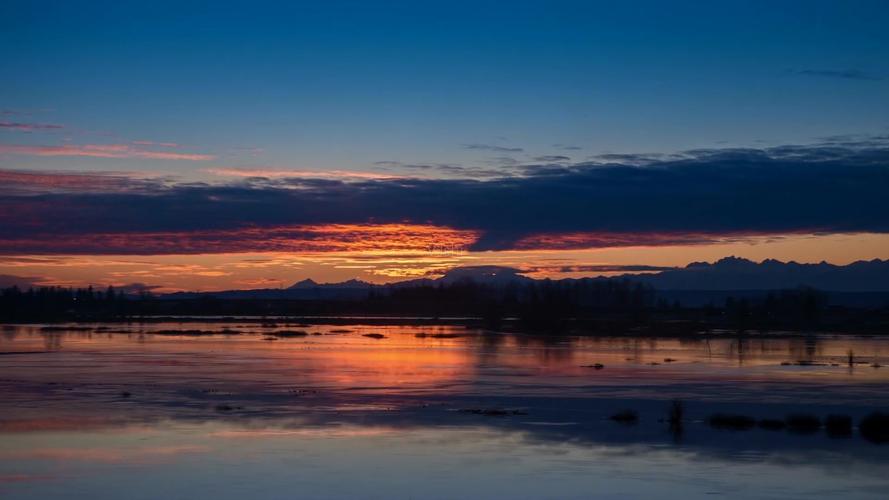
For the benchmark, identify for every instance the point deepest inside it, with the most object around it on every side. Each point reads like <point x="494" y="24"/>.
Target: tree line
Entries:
<point x="551" y="306"/>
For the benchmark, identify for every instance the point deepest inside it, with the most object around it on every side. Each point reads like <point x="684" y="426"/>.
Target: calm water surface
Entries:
<point x="139" y="411"/>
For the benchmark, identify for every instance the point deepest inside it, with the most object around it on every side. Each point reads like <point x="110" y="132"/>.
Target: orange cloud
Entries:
<point x="170" y="272"/>
<point x="290" y="238"/>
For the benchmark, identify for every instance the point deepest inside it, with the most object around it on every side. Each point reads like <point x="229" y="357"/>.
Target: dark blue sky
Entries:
<point x="342" y="85"/>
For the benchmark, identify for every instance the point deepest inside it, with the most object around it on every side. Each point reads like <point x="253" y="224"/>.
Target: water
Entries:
<point x="113" y="411"/>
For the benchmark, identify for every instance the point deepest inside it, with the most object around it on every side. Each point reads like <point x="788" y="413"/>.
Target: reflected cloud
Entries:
<point x="336" y="431"/>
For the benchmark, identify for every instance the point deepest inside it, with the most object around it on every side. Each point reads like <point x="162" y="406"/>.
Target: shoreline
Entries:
<point x="664" y="329"/>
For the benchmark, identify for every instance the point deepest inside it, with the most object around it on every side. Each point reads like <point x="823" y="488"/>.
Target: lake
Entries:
<point x="243" y="409"/>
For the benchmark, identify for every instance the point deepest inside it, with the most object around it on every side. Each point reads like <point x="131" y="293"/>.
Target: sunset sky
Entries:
<point x="175" y="148"/>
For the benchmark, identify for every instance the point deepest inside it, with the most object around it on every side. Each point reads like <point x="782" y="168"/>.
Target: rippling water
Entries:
<point x="156" y="411"/>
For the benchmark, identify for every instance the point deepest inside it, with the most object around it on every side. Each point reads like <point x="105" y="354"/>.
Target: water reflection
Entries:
<point x="281" y="460"/>
<point x="333" y="413"/>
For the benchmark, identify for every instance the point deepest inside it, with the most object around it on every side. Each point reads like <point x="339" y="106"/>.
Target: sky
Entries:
<point x="212" y="145"/>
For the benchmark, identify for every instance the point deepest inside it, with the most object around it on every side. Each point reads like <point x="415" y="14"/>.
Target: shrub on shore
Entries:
<point x="733" y="422"/>
<point x="290" y="333"/>
<point x="803" y="423"/>
<point x="771" y="424"/>
<point x="875" y="427"/>
<point x="838" y="425"/>
<point x="675" y="414"/>
<point x="625" y="417"/>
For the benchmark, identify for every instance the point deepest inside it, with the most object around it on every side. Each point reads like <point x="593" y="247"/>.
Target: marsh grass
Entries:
<point x="493" y="412"/>
<point x="771" y="424"/>
<point x="625" y="417"/>
<point x="197" y="333"/>
<point x="875" y="427"/>
<point x="838" y="425"/>
<point x="597" y="366"/>
<point x="803" y="423"/>
<point x="675" y="415"/>
<point x="437" y="335"/>
<point x="731" y="422"/>
<point x="290" y="333"/>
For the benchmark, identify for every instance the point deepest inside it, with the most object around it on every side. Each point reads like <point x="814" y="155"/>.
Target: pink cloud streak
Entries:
<point x="102" y="151"/>
<point x="160" y="144"/>
<point x="307" y="174"/>
<point x="29" y="127"/>
<point x="25" y="181"/>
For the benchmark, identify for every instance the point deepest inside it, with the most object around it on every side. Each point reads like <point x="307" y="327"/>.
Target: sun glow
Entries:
<point x="381" y="254"/>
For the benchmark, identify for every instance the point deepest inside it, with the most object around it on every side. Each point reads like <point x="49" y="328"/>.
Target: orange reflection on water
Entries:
<point x="418" y="360"/>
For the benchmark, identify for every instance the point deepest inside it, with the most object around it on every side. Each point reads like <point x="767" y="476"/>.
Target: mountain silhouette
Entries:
<point x="696" y="283"/>
<point x="309" y="284"/>
<point x="734" y="273"/>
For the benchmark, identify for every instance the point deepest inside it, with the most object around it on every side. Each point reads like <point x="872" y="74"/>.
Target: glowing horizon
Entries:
<point x="221" y="271"/>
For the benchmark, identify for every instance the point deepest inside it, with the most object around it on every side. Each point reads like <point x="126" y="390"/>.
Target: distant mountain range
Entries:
<point x="733" y="273"/>
<point x="488" y="275"/>
<point x="310" y="284"/>
<point x="859" y="284"/>
<point x="309" y="289"/>
<point x="694" y="282"/>
<point x="730" y="273"/>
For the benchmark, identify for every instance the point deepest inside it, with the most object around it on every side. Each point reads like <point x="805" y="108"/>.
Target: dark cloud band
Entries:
<point x="693" y="197"/>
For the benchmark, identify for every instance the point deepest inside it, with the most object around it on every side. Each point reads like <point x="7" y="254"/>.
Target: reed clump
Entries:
<point x="875" y="427"/>
<point x="625" y="417"/>
<point x="803" y="423"/>
<point x="732" y="422"/>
